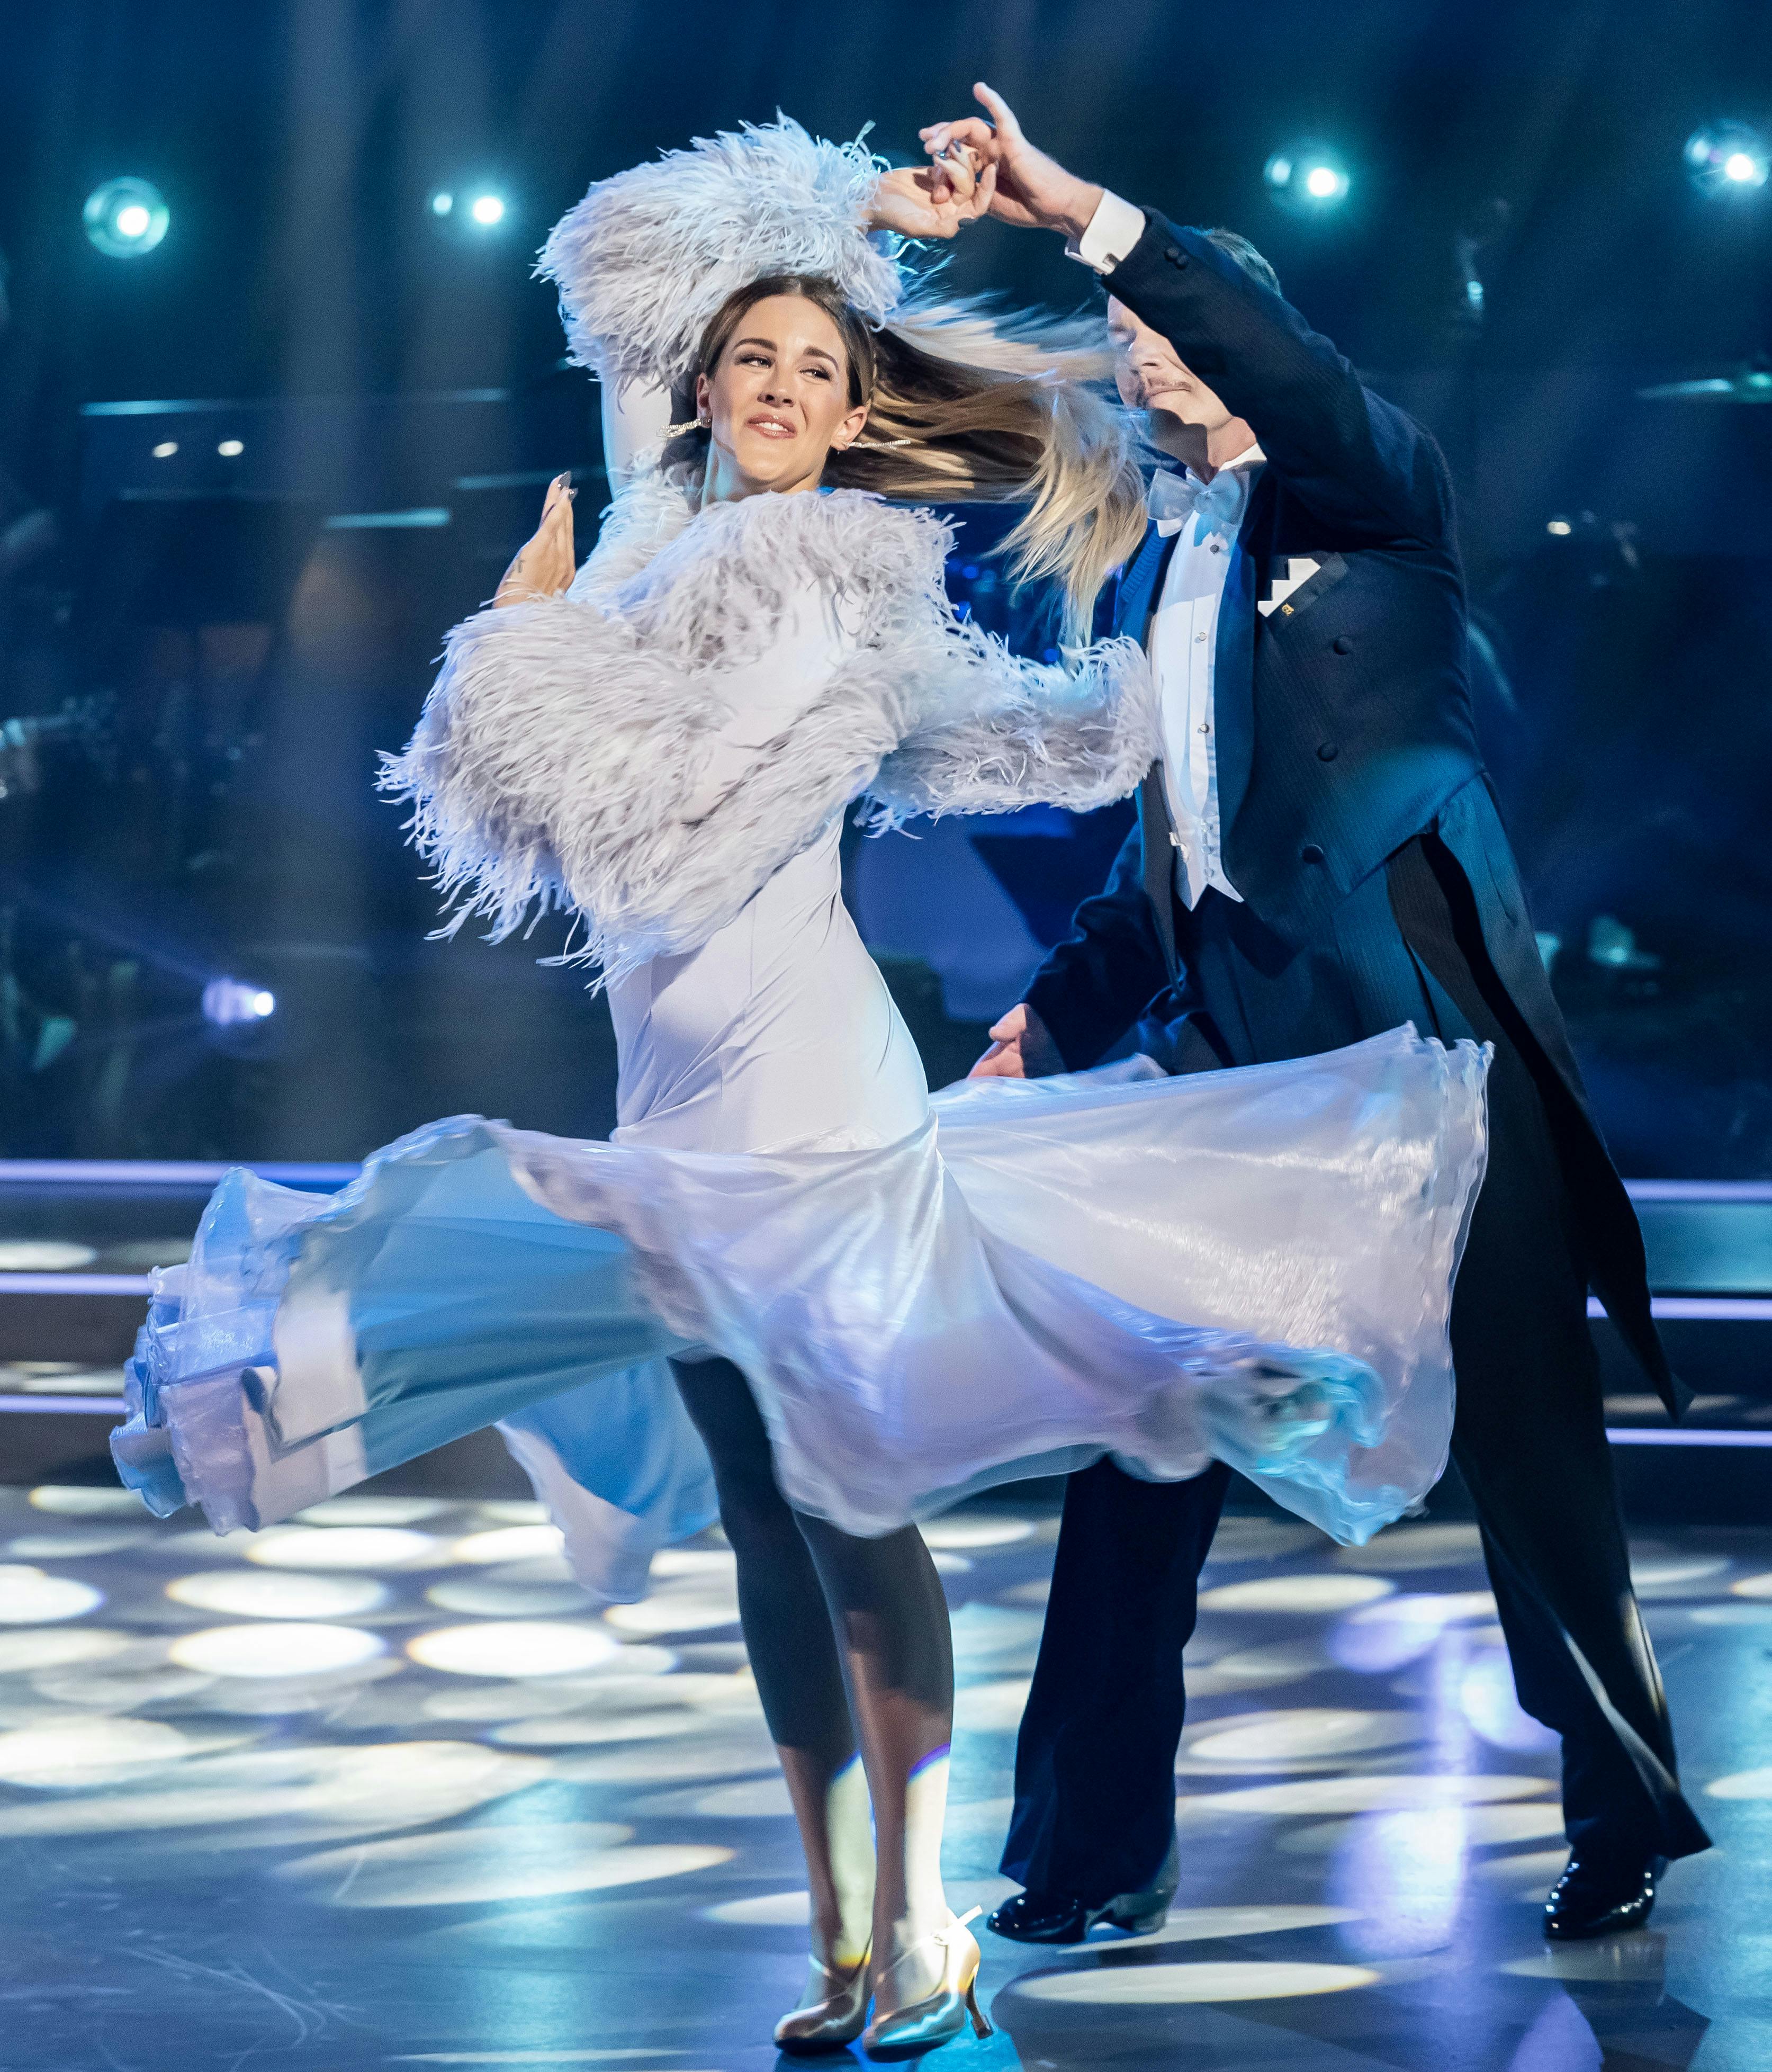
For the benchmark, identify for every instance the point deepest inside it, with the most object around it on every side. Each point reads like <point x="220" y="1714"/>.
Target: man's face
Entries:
<point x="1151" y="376"/>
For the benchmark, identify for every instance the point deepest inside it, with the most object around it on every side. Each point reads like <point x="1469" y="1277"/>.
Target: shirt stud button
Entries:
<point x="1311" y="853"/>
<point x="1343" y="644"/>
<point x="1173" y="252"/>
<point x="1328" y="752"/>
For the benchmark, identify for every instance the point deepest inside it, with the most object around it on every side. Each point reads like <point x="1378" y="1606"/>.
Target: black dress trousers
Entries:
<point x="1095" y="1767"/>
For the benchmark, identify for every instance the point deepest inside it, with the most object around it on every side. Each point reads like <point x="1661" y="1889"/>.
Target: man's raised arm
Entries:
<point x="1349" y="455"/>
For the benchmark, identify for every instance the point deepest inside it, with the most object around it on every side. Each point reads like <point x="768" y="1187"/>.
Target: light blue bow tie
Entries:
<point x="1174" y="497"/>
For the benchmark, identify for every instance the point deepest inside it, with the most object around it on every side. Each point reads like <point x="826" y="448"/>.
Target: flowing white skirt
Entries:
<point x="1255" y="1265"/>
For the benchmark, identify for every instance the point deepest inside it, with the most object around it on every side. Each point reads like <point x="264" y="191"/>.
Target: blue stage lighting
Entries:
<point x="442" y="202"/>
<point x="487" y="210"/>
<point x="1308" y="178"/>
<point x="1728" y="159"/>
<point x="230" y="1002"/>
<point x="125" y="217"/>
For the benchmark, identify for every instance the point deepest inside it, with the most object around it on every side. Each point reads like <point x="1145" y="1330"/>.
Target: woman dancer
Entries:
<point x="876" y="1323"/>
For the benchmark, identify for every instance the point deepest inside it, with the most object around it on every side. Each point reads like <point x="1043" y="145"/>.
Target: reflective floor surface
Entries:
<point x="378" y="1789"/>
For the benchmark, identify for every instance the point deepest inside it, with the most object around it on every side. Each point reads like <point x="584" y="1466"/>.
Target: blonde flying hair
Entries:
<point x="968" y="407"/>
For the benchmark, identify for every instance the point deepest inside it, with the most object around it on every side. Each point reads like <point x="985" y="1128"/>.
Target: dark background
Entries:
<point x="226" y="663"/>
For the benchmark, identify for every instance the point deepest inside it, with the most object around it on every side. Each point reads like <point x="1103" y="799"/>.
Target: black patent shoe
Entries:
<point x="1589" y="1899"/>
<point x="1057" y="1917"/>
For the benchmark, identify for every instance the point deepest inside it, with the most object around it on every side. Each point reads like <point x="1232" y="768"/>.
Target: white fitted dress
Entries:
<point x="778" y="1032"/>
<point x="926" y="1295"/>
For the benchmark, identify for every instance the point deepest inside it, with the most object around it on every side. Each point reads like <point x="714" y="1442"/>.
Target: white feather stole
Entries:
<point x="562" y="743"/>
<point x="648" y="256"/>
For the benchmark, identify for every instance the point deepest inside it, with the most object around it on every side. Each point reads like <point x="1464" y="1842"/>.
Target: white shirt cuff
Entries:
<point x="1114" y="229"/>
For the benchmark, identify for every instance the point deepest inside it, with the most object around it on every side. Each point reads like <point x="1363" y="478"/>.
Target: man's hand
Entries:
<point x="547" y="565"/>
<point x="933" y="201"/>
<point x="1031" y="189"/>
<point x="1022" y="1048"/>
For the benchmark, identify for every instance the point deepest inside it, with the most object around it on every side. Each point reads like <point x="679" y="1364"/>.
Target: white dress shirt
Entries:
<point x="1205" y="518"/>
<point x="1184" y="633"/>
<point x="1114" y="229"/>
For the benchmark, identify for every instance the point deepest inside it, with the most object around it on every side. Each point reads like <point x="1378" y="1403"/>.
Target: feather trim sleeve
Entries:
<point x="648" y="256"/>
<point x="559" y="764"/>
<point x="575" y="751"/>
<point x="569" y="748"/>
<point x="1014" y="733"/>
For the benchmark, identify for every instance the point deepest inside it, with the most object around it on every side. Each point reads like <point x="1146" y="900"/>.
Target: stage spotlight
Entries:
<point x="231" y="449"/>
<point x="442" y="203"/>
<point x="487" y="210"/>
<point x="1728" y="158"/>
<point x="227" y="1002"/>
<point x="166" y="450"/>
<point x="1307" y="178"/>
<point x="126" y="218"/>
<point x="296" y="1648"/>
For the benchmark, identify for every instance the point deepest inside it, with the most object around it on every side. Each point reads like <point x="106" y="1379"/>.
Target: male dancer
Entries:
<point x="1318" y="858"/>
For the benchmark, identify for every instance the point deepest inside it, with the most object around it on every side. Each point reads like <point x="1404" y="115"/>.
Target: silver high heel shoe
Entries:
<point x="939" y="2018"/>
<point x="832" y="2022"/>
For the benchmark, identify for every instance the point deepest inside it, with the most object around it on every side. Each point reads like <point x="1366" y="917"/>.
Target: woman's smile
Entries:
<point x="786" y="383"/>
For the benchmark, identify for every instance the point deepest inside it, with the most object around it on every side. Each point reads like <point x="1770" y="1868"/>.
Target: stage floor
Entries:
<point x="379" y="1789"/>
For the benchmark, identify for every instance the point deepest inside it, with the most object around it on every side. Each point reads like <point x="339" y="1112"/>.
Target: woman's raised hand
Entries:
<point x="1031" y="189"/>
<point x="933" y="201"/>
<point x="547" y="564"/>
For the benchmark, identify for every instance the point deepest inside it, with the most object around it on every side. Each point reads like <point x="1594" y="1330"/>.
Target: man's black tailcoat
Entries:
<point x="1343" y="719"/>
<point x="1377" y="887"/>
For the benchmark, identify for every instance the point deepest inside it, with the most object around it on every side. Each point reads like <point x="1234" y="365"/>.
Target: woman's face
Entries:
<point x="778" y="397"/>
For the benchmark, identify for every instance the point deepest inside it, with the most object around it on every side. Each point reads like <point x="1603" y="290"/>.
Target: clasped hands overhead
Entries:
<point x="979" y="165"/>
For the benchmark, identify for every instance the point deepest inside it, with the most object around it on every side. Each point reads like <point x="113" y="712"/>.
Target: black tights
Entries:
<point x="849" y="1644"/>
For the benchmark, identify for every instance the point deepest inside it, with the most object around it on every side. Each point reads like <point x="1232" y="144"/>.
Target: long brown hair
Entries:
<point x="966" y="407"/>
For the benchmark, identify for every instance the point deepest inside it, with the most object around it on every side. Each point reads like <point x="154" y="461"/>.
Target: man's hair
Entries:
<point x="1241" y="252"/>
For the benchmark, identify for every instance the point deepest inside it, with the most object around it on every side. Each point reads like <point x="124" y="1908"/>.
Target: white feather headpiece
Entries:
<point x="648" y="256"/>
